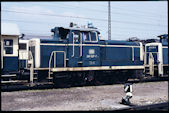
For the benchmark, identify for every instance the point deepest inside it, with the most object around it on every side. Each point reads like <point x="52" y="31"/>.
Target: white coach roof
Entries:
<point x="9" y="29"/>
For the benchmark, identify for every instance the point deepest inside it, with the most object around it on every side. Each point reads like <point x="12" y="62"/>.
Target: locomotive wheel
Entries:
<point x="61" y="81"/>
<point x="76" y="78"/>
<point x="123" y="77"/>
<point x="99" y="78"/>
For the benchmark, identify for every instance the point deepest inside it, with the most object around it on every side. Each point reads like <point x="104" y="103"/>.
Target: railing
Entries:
<point x="30" y="61"/>
<point x="73" y="46"/>
<point x="50" y="60"/>
<point x="81" y="45"/>
<point x="81" y="48"/>
<point x="151" y="64"/>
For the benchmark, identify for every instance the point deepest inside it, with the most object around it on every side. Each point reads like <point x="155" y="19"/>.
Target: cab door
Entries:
<point x="75" y="49"/>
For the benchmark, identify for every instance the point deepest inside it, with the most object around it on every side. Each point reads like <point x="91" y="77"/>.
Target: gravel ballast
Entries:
<point x="105" y="97"/>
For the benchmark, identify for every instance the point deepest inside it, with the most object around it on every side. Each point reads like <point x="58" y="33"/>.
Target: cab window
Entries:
<point x="76" y="36"/>
<point x="89" y="36"/>
<point x="86" y="36"/>
<point x="93" y="36"/>
<point x="8" y="46"/>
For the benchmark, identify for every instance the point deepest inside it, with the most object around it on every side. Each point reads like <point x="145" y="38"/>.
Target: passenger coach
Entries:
<point x="9" y="48"/>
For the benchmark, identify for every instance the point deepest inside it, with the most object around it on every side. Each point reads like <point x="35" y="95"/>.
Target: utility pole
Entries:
<point x="109" y="21"/>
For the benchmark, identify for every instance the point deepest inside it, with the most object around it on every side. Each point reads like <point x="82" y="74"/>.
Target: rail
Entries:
<point x="50" y="60"/>
<point x="159" y="106"/>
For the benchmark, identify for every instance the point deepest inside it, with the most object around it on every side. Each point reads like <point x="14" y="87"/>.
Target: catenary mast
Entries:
<point x="109" y="21"/>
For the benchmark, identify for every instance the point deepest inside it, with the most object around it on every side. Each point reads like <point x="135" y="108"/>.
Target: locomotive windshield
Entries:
<point x="93" y="36"/>
<point x="90" y="36"/>
<point x="86" y="36"/>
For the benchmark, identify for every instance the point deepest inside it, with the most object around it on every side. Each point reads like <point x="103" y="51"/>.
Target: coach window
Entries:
<point x="86" y="36"/>
<point x="22" y="46"/>
<point x="8" y="46"/>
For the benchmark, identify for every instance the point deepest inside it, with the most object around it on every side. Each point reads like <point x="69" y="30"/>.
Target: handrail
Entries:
<point x="151" y="64"/>
<point x="2" y="54"/>
<point x="73" y="46"/>
<point x="32" y="66"/>
<point x="54" y="52"/>
<point x="50" y="64"/>
<point x="132" y="53"/>
<point x="81" y="45"/>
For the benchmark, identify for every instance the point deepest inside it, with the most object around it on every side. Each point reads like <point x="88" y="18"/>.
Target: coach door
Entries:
<point x="9" y="51"/>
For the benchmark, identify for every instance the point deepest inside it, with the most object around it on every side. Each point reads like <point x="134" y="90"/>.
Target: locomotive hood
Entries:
<point x="119" y="42"/>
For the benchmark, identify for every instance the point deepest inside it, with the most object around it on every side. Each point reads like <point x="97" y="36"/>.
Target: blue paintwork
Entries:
<point x="91" y="59"/>
<point x="52" y="41"/>
<point x="46" y="51"/>
<point x="120" y="56"/>
<point x="10" y="64"/>
<point x="102" y="56"/>
<point x="118" y="42"/>
<point x="164" y="39"/>
<point x="22" y="63"/>
<point x="165" y="55"/>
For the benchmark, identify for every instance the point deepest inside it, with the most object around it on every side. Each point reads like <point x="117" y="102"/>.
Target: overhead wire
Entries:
<point x="133" y="10"/>
<point x="80" y="7"/>
<point x="103" y="11"/>
<point x="56" y="15"/>
<point x="37" y="22"/>
<point x="115" y="21"/>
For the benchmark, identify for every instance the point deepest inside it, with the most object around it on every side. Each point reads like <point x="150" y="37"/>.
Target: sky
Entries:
<point x="141" y="19"/>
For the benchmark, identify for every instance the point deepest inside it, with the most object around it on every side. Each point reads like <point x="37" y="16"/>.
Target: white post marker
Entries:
<point x="128" y="90"/>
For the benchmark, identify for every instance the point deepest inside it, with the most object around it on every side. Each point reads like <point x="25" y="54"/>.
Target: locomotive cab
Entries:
<point x="81" y="49"/>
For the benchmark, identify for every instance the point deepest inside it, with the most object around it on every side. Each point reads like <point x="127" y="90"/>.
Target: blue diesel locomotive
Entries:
<point x="80" y="52"/>
<point x="77" y="55"/>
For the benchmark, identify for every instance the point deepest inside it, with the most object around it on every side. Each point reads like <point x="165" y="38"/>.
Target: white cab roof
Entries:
<point x="9" y="29"/>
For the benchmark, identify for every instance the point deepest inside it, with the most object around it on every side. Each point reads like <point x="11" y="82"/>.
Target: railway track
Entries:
<point x="148" y="79"/>
<point x="159" y="107"/>
<point x="15" y="87"/>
